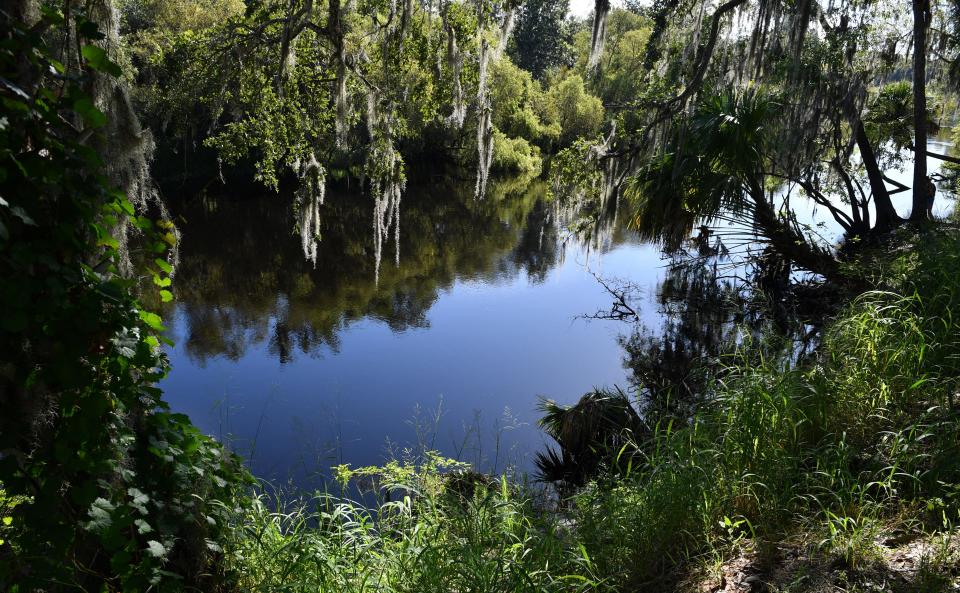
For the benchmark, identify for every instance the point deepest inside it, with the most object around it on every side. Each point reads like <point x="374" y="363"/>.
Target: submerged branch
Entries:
<point x="620" y="310"/>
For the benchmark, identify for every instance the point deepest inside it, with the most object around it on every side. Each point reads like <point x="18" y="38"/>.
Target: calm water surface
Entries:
<point x="300" y="368"/>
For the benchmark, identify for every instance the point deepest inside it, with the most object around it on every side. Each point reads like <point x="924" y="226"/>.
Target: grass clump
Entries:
<point x="433" y="526"/>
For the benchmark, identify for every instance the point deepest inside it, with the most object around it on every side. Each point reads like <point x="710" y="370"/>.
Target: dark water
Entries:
<point x="300" y="368"/>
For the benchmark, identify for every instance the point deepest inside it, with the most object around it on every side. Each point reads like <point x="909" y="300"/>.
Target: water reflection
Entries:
<point x="309" y="366"/>
<point x="240" y="283"/>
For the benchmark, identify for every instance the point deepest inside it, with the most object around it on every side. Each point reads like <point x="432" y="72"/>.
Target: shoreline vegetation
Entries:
<point x="836" y="468"/>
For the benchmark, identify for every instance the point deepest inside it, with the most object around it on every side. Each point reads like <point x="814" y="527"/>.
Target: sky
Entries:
<point x="581" y="8"/>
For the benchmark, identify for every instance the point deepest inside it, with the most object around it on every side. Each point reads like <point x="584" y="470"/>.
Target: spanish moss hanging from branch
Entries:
<point x="127" y="148"/>
<point x="598" y="33"/>
<point x="484" y="124"/>
<point x="310" y="194"/>
<point x="506" y="30"/>
<point x="455" y="64"/>
<point x="384" y="170"/>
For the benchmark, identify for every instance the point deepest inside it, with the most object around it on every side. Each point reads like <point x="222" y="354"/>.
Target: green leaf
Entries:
<point x="142" y="526"/>
<point x="99" y="514"/>
<point x="163" y="265"/>
<point x="156" y="549"/>
<point x="153" y="320"/>
<point x="97" y="59"/>
<point x="125" y="206"/>
<point x="52" y="14"/>
<point x="166" y="296"/>
<point x="89" y="112"/>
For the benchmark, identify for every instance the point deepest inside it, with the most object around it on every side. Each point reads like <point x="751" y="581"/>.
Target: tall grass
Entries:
<point x="430" y="529"/>
<point x="835" y="447"/>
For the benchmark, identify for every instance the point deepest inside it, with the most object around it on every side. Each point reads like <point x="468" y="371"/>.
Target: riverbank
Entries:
<point x="842" y="472"/>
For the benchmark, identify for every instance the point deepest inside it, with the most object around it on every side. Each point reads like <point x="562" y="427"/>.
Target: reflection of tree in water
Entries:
<point x="536" y="251"/>
<point x="708" y="306"/>
<point x="242" y="279"/>
<point x="702" y="313"/>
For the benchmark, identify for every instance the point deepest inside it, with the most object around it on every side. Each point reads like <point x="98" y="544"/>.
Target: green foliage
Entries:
<point x="710" y="168"/>
<point x="621" y="71"/>
<point x="621" y="77"/>
<point x="160" y="20"/>
<point x="567" y="170"/>
<point x="889" y="121"/>
<point x="579" y="114"/>
<point x="231" y="83"/>
<point x="521" y="108"/>
<point x="591" y="435"/>
<point x="515" y="155"/>
<point x="891" y="114"/>
<point x="111" y="491"/>
<point x="541" y="38"/>
<point x="436" y="528"/>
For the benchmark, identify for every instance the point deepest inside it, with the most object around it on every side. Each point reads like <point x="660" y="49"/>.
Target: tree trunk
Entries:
<point x="787" y="241"/>
<point x="923" y="190"/>
<point x="887" y="217"/>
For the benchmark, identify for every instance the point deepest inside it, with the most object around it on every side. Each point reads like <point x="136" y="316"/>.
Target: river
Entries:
<point x="301" y="367"/>
<point x="450" y="346"/>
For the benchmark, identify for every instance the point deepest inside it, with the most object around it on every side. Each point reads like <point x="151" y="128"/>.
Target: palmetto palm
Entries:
<point x="716" y="166"/>
<point x="591" y="434"/>
<point x="706" y="170"/>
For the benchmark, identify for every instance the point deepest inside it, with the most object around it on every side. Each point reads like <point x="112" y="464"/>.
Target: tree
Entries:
<point x="923" y="189"/>
<point x="541" y="38"/>
<point x="820" y="64"/>
<point x="579" y="113"/>
<point x="334" y="90"/>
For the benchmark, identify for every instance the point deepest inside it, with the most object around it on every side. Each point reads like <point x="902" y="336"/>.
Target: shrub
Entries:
<point x="515" y="155"/>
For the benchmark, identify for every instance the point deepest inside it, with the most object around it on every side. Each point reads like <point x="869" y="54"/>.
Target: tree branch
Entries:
<point x="704" y="56"/>
<point x="839" y="215"/>
<point x="900" y="187"/>
<point x="938" y="156"/>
